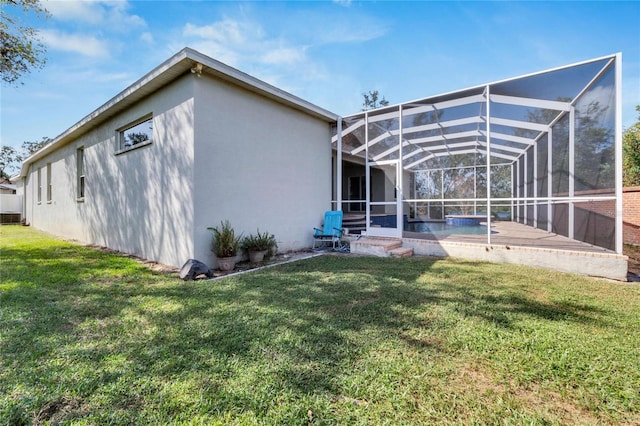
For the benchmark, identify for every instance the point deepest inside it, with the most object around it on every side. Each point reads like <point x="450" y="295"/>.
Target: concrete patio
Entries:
<point x="511" y="242"/>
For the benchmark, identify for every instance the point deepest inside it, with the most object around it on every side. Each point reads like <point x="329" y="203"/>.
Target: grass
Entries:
<point x="88" y="337"/>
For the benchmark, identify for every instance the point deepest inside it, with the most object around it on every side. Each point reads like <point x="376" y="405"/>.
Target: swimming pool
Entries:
<point x="441" y="228"/>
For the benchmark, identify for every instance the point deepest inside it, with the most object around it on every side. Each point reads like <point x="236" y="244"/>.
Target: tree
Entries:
<point x="135" y="138"/>
<point x="20" y="46"/>
<point x="29" y="147"/>
<point x="9" y="157"/>
<point x="372" y="100"/>
<point x="631" y="154"/>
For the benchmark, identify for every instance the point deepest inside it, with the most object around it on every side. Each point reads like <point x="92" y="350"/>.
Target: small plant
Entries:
<point x="225" y="243"/>
<point x="260" y="242"/>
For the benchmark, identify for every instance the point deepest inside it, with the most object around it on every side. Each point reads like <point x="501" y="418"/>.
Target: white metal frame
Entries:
<point x="433" y="141"/>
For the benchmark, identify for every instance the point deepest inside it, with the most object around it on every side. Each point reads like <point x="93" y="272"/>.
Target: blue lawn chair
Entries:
<point x="331" y="230"/>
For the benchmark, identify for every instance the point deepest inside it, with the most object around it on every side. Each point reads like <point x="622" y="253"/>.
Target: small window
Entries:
<point x="39" y="184"/>
<point x="138" y="134"/>
<point x="49" y="186"/>
<point x="80" y="172"/>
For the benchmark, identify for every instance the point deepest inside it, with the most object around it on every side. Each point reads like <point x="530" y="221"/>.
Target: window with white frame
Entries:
<point x="49" y="186"/>
<point x="39" y="184"/>
<point x="80" y="172"/>
<point x="136" y="134"/>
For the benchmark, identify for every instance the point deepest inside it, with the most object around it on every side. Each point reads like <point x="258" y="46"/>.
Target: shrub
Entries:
<point x="260" y="242"/>
<point x="225" y="243"/>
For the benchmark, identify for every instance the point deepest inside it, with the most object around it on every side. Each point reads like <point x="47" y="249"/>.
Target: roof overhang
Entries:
<point x="183" y="62"/>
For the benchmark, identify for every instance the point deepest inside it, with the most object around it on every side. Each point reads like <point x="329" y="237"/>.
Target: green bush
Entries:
<point x="260" y="241"/>
<point x="225" y="243"/>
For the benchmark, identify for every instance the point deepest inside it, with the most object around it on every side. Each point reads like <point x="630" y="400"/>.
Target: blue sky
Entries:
<point x="328" y="53"/>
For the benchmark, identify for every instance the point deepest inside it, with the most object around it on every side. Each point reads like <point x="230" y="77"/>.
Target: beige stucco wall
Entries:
<point x="259" y="164"/>
<point x="219" y="152"/>
<point x="138" y="202"/>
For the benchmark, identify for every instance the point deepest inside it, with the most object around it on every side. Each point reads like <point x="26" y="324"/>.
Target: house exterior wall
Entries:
<point x="139" y="202"/>
<point x="259" y="164"/>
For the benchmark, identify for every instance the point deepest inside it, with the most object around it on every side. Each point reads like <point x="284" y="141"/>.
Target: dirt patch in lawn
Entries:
<point x="55" y="412"/>
<point x="532" y="398"/>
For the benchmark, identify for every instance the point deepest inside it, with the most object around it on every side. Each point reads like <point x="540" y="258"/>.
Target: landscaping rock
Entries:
<point x="192" y="268"/>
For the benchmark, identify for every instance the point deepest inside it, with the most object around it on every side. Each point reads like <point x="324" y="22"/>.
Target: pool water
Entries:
<point x="441" y="228"/>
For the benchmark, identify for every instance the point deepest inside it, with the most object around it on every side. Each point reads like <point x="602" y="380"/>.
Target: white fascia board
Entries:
<point x="177" y="64"/>
<point x="165" y="73"/>
<point x="531" y="102"/>
<point x="254" y="84"/>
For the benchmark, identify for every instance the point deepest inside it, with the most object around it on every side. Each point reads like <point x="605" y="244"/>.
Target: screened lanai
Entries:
<point x="543" y="150"/>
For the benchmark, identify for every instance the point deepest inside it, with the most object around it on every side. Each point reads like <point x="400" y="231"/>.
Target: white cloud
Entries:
<point x="345" y="3"/>
<point x="110" y="15"/>
<point x="147" y="37"/>
<point x="281" y="54"/>
<point x="346" y="26"/>
<point x="90" y="12"/>
<point x="284" y="55"/>
<point x="228" y="30"/>
<point x="78" y="43"/>
<point x="350" y="33"/>
<point x="242" y="43"/>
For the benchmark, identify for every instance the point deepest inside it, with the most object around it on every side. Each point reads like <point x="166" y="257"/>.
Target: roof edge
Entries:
<point x="226" y="72"/>
<point x="184" y="60"/>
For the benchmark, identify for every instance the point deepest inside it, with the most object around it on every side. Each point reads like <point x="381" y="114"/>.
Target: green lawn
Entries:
<point x="88" y="337"/>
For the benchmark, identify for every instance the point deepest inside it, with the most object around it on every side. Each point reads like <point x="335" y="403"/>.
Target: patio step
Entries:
<point x="401" y="252"/>
<point x="381" y="247"/>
